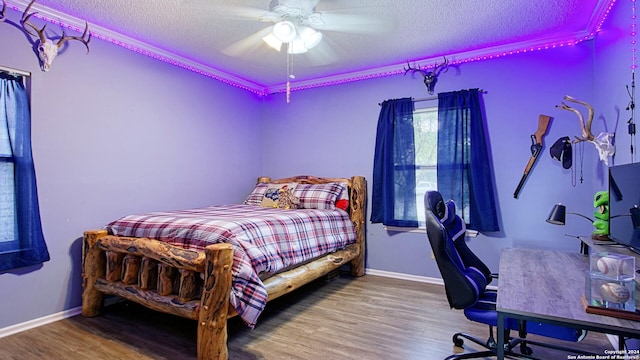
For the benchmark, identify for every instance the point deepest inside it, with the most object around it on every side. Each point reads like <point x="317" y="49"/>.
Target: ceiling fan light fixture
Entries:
<point x="310" y="37"/>
<point x="272" y="41"/>
<point x="297" y="46"/>
<point x="284" y="31"/>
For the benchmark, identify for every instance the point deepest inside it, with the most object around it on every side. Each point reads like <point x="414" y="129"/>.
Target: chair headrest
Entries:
<point x="436" y="204"/>
<point x="453" y="223"/>
<point x="446" y="213"/>
<point x="450" y="213"/>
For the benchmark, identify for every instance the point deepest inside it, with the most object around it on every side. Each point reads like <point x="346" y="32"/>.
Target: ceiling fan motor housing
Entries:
<point x="299" y="12"/>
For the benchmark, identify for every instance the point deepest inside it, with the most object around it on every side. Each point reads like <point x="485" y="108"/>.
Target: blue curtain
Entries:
<point x="21" y="239"/>
<point x="393" y="189"/>
<point x="464" y="170"/>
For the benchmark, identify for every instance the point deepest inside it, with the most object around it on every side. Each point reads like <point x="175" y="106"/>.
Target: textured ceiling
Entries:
<point x="380" y="34"/>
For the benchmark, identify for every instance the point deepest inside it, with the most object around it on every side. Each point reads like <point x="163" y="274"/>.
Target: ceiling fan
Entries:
<point x="297" y="26"/>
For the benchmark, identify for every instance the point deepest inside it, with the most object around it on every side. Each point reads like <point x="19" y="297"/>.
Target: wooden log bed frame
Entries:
<point x="195" y="284"/>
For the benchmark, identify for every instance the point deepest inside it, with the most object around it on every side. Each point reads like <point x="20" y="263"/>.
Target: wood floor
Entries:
<point x="344" y="318"/>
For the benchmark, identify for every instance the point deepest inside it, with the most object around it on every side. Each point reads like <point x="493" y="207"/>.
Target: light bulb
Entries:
<point x="297" y="46"/>
<point x="284" y="31"/>
<point x="272" y="41"/>
<point x="310" y="37"/>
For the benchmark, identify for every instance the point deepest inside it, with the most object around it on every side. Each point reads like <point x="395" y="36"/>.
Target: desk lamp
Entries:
<point x="558" y="216"/>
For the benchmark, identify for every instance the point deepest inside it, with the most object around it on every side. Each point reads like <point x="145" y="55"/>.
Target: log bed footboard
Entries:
<point x="124" y="267"/>
<point x="195" y="284"/>
<point x="162" y="277"/>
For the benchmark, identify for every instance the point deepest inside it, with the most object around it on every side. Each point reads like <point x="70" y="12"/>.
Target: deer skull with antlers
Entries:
<point x="47" y="49"/>
<point x="603" y="142"/>
<point x="430" y="77"/>
<point x="3" y="17"/>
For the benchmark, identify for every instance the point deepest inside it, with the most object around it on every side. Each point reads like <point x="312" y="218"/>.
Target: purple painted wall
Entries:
<point x="336" y="127"/>
<point x="612" y="73"/>
<point x="175" y="139"/>
<point x="518" y="89"/>
<point x="114" y="133"/>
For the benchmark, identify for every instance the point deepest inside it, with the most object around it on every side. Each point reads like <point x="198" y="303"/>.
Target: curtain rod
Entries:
<point x="434" y="97"/>
<point x="14" y="71"/>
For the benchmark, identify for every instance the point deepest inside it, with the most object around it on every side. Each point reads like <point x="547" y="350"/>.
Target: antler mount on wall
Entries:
<point x="603" y="142"/>
<point x="430" y="77"/>
<point x="47" y="48"/>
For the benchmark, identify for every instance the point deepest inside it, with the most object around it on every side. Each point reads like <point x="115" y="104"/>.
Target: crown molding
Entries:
<point x="72" y="23"/>
<point x="600" y="14"/>
<point x="454" y="59"/>
<point x="69" y="22"/>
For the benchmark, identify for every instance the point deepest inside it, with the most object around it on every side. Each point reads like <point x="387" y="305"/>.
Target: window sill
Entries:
<point x="7" y="247"/>
<point x="422" y="229"/>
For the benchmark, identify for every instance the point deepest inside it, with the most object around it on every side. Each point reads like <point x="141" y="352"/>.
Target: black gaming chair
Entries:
<point x="465" y="278"/>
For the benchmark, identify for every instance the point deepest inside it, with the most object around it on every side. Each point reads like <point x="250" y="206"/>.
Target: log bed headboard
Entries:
<point x="357" y="207"/>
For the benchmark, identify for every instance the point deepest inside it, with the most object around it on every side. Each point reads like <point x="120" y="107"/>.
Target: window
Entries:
<point x="8" y="225"/>
<point x="425" y="132"/>
<point x="7" y="204"/>
<point x="443" y="149"/>
<point x="21" y="239"/>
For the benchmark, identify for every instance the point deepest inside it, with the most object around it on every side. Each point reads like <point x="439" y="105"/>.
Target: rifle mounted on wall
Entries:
<point x="536" y="148"/>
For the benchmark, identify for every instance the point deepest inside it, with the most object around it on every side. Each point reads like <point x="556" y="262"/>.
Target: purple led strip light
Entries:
<point x="360" y="77"/>
<point x="146" y="53"/>
<point x="479" y="58"/>
<point x="633" y="36"/>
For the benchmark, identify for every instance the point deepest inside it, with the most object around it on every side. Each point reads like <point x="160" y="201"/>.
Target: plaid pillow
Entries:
<point x="255" y="198"/>
<point x="318" y="196"/>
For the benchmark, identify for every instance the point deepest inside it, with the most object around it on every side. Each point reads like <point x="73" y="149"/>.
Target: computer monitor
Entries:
<point x="624" y="196"/>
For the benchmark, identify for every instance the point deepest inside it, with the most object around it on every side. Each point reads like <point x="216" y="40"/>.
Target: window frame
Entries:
<point x="421" y="219"/>
<point x="11" y="244"/>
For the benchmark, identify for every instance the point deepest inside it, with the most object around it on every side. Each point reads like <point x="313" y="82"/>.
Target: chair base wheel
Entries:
<point x="525" y="350"/>
<point x="458" y="342"/>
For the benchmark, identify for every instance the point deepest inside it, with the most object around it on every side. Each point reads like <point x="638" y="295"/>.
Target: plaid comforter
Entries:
<point x="263" y="239"/>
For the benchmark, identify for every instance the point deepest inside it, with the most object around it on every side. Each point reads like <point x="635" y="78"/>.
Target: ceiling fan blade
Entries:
<point x="241" y="12"/>
<point x="340" y="20"/>
<point x="248" y="44"/>
<point x="322" y="54"/>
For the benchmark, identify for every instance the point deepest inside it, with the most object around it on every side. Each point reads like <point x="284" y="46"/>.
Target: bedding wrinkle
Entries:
<point x="265" y="240"/>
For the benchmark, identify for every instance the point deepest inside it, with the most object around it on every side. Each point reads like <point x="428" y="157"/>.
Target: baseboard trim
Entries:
<point x="14" y="329"/>
<point x="417" y="278"/>
<point x="401" y="276"/>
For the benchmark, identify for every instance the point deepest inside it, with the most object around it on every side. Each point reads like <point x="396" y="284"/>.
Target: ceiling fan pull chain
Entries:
<point x="288" y="92"/>
<point x="290" y="74"/>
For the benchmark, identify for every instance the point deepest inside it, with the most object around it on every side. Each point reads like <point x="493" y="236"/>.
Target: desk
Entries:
<point x="546" y="286"/>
